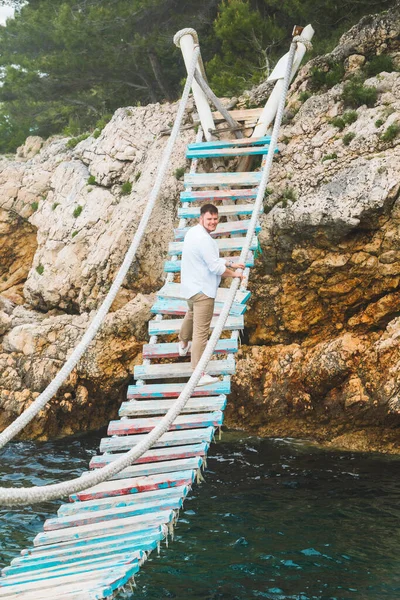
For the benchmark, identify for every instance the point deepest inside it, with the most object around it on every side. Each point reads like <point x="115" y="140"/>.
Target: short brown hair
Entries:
<point x="209" y="208"/>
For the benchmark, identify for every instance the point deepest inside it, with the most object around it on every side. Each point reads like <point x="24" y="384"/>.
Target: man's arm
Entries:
<point x="231" y="270"/>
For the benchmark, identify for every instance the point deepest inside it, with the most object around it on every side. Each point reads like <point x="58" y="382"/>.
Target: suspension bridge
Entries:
<point x="127" y="503"/>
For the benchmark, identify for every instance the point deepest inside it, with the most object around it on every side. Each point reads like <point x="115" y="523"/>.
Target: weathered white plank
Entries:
<point x="171" y="438"/>
<point x="160" y="407"/>
<point x="184" y="369"/>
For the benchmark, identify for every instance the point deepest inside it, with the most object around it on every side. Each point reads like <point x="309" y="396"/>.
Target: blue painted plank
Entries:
<point x="229" y="228"/>
<point x="231" y="210"/>
<point x="170" y="349"/>
<point x="217" y="179"/>
<point x="172" y="390"/>
<point x="168" y="326"/>
<point x="129" y="426"/>
<point x="171" y="438"/>
<point x="175" y="370"/>
<point x="224" y="245"/>
<point x="124" y="512"/>
<point x="173" y="290"/>
<point x="236" y="143"/>
<point x="137" y="522"/>
<point x="178" y="307"/>
<point x="160" y="407"/>
<point x="216" y="195"/>
<point x="73" y="508"/>
<point x="227" y="152"/>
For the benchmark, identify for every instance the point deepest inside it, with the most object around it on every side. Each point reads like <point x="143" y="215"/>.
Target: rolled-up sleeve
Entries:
<point x="209" y="253"/>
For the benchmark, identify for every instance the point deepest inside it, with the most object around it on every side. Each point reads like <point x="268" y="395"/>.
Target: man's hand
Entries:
<point x="238" y="274"/>
<point x="237" y="265"/>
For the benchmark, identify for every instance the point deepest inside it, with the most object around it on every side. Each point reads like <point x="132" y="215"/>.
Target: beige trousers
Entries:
<point x="196" y="325"/>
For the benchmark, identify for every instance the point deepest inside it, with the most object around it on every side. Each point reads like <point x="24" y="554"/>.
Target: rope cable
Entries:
<point x="10" y="496"/>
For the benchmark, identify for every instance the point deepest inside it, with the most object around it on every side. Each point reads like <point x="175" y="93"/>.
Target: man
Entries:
<point x="201" y="273"/>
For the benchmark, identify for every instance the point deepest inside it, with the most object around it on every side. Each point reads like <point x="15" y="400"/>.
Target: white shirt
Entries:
<point x="201" y="265"/>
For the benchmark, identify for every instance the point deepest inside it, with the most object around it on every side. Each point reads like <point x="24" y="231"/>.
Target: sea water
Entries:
<point x="275" y="518"/>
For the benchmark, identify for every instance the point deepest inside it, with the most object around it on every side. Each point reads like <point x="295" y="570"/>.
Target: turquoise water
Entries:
<point x="276" y="519"/>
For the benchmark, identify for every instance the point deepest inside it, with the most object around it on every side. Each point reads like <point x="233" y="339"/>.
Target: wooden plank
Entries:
<point x="242" y="114"/>
<point x="234" y="143"/>
<point x="88" y="531"/>
<point x="154" y="454"/>
<point x="224" y="245"/>
<point x="218" y="195"/>
<point x="111" y="542"/>
<point x="173" y="290"/>
<point x="84" y="566"/>
<point x="178" y="307"/>
<point x="172" y="390"/>
<point x="168" y="326"/>
<point x="128" y="426"/>
<point x="154" y="468"/>
<point x="45" y="562"/>
<point x="171" y="438"/>
<point x="229" y="210"/>
<point x="161" y="407"/>
<point x="228" y="152"/>
<point x="135" y="485"/>
<point x="73" y="508"/>
<point x="245" y="178"/>
<point x="229" y="228"/>
<point x="121" y="512"/>
<point x="170" y="350"/>
<point x="182" y="369"/>
<point x="112" y="579"/>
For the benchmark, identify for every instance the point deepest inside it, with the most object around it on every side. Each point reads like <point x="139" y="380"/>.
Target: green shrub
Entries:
<point x="289" y="194"/>
<point x="378" y="64"/>
<point x="329" y="156"/>
<point x="74" y="233"/>
<point x="40" y="269"/>
<point x="77" y="211"/>
<point x="137" y="175"/>
<point x="379" y="123"/>
<point x="34" y="206"/>
<point x="355" y="94"/>
<point x="338" y="122"/>
<point x="391" y="133"/>
<point x="54" y="205"/>
<point x="126" y="188"/>
<point x="179" y="173"/>
<point x="350" y="117"/>
<point x="348" y="137"/>
<point x="75" y="140"/>
<point x="96" y="133"/>
<point x="101" y="123"/>
<point x="327" y="79"/>
<point x="91" y="180"/>
<point x="303" y="96"/>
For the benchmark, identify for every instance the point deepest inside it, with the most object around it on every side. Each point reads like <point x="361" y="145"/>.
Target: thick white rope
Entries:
<point x="94" y="326"/>
<point x="50" y="492"/>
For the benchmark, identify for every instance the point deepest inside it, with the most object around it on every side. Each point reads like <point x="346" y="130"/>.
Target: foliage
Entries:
<point x="67" y="65"/>
<point x="74" y="233"/>
<point x="338" y="122"/>
<point x="391" y="133"/>
<point x="327" y="79"/>
<point x="348" y="138"/>
<point x="179" y="172"/>
<point x="378" y="64"/>
<point x="355" y="94"/>
<point x="40" y="269"/>
<point x="126" y="188"/>
<point x="75" y="140"/>
<point x="91" y="180"/>
<point x="379" y="123"/>
<point x="332" y="156"/>
<point x="303" y="96"/>
<point x="54" y="205"/>
<point x="34" y="206"/>
<point x="77" y="211"/>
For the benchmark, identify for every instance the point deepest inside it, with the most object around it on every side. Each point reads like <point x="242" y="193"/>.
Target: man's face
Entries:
<point x="209" y="221"/>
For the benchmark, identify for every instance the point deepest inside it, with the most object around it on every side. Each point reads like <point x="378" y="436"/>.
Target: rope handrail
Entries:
<point x="10" y="496"/>
<point x="25" y="418"/>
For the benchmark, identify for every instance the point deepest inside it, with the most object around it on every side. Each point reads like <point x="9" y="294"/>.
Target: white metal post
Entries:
<point x="186" y="40"/>
<point x="269" y="112"/>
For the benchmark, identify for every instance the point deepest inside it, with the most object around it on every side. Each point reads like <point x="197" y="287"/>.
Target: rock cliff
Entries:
<point x="321" y="346"/>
